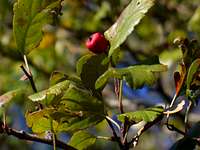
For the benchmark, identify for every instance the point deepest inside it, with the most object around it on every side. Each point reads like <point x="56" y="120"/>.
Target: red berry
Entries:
<point x="97" y="43"/>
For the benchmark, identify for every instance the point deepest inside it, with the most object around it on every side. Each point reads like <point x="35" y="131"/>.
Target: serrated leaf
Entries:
<point x="147" y="115"/>
<point x="30" y="16"/>
<point x="90" y="67"/>
<point x="55" y="90"/>
<point x="80" y="123"/>
<point x="79" y="99"/>
<point x="40" y="121"/>
<point x="57" y="77"/>
<point x="136" y="76"/>
<point x="7" y="97"/>
<point x="125" y="24"/>
<point x="84" y="110"/>
<point x="82" y="140"/>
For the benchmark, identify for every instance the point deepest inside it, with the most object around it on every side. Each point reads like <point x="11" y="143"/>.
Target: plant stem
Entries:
<point x="120" y="97"/>
<point x="31" y="137"/>
<point x="117" y="139"/>
<point x="30" y="77"/>
<point x="187" y="114"/>
<point x="115" y="123"/>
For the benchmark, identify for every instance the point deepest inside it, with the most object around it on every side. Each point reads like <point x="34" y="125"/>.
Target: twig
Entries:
<point x="173" y="128"/>
<point x="143" y="129"/>
<point x="120" y="97"/>
<point x="187" y="114"/>
<point x="30" y="137"/>
<point x="115" y="123"/>
<point x="117" y="139"/>
<point x="30" y="77"/>
<point x="118" y="92"/>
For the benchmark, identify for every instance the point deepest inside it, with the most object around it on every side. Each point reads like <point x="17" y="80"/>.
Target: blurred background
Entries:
<point x="63" y="45"/>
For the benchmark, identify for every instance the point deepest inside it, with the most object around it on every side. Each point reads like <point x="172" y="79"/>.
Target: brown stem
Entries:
<point x="30" y="77"/>
<point x="30" y="137"/>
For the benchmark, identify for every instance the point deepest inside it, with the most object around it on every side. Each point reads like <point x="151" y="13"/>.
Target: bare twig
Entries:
<point x="115" y="123"/>
<point x="173" y="128"/>
<point x="30" y="137"/>
<point x="30" y="77"/>
<point x="117" y="139"/>
<point x="186" y="115"/>
<point x="134" y="140"/>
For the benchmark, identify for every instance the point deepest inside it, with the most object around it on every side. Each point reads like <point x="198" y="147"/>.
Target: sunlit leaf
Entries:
<point x="125" y="24"/>
<point x="55" y="90"/>
<point x="136" y="76"/>
<point x="147" y="115"/>
<point x="40" y="121"/>
<point x="82" y="140"/>
<point x="30" y="17"/>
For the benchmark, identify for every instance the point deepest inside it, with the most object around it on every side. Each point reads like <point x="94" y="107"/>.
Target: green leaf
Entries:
<point x="80" y="110"/>
<point x="125" y="24"/>
<point x="194" y="67"/>
<point x="147" y="115"/>
<point x="55" y="90"/>
<point x="30" y="17"/>
<point x="195" y="21"/>
<point x="57" y="77"/>
<point x="82" y="140"/>
<point x="76" y="123"/>
<point x="7" y="97"/>
<point x="90" y="67"/>
<point x="40" y="121"/>
<point x="77" y="99"/>
<point x="136" y="76"/>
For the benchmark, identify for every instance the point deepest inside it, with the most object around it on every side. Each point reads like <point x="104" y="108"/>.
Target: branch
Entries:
<point x="135" y="139"/>
<point x="30" y="77"/>
<point x="117" y="139"/>
<point x="173" y="128"/>
<point x="30" y="137"/>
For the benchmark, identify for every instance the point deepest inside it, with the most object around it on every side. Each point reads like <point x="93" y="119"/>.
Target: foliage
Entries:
<point x="63" y="89"/>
